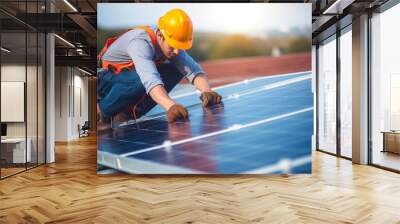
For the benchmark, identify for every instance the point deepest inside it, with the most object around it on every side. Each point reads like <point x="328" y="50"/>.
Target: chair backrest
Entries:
<point x="86" y="125"/>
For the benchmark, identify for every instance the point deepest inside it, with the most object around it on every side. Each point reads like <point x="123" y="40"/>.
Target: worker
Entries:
<point x="141" y="66"/>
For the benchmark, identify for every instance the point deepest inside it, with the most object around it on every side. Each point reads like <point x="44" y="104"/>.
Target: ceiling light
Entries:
<point x="5" y="50"/>
<point x="84" y="71"/>
<point x="338" y="6"/>
<point x="65" y="41"/>
<point x="70" y="5"/>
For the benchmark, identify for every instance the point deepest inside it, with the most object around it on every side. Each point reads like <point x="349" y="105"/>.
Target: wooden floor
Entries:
<point x="387" y="159"/>
<point x="70" y="191"/>
<point x="10" y="171"/>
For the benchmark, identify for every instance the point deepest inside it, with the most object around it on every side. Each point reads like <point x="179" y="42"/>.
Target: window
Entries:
<point x="385" y="88"/>
<point x="346" y="92"/>
<point x="327" y="95"/>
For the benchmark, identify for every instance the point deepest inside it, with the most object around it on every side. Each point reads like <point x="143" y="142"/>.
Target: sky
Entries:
<point x="210" y="17"/>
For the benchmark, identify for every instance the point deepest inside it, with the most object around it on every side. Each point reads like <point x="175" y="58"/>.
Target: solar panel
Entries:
<point x="230" y="89"/>
<point x="263" y="126"/>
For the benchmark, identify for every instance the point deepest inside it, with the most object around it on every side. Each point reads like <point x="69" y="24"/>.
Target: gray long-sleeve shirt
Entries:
<point x="135" y="45"/>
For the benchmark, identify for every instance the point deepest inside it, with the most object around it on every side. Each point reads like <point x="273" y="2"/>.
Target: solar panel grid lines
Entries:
<point x="194" y="120"/>
<point x="250" y="149"/>
<point x="231" y="96"/>
<point x="145" y="129"/>
<point x="190" y="97"/>
<point x="246" y="81"/>
<point x="268" y="87"/>
<point x="239" y="160"/>
<point x="232" y="128"/>
<point x="266" y="128"/>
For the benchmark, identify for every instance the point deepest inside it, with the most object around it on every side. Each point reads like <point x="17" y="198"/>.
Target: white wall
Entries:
<point x="71" y="93"/>
<point x="13" y="73"/>
<point x="80" y="110"/>
<point x="61" y="103"/>
<point x="33" y="127"/>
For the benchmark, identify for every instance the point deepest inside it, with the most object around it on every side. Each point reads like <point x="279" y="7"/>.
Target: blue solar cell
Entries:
<point x="244" y="149"/>
<point x="247" y="109"/>
<point x="232" y="89"/>
<point x="203" y="149"/>
<point x="119" y="147"/>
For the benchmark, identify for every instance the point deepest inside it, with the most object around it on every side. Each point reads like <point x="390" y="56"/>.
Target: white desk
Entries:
<point x="17" y="146"/>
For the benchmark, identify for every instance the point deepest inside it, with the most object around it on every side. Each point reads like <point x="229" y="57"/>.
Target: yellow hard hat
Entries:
<point x="177" y="29"/>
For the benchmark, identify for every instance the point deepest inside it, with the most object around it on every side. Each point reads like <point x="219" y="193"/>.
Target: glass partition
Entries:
<point x="22" y="77"/>
<point x="327" y="95"/>
<point x="14" y="145"/>
<point x="346" y="93"/>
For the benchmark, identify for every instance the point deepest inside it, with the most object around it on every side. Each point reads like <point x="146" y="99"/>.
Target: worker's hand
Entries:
<point x="176" y="112"/>
<point x="210" y="98"/>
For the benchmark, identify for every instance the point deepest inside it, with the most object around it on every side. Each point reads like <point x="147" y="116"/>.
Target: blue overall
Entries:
<point x="116" y="92"/>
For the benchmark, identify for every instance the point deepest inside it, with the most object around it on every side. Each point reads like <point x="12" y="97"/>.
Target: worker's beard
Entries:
<point x="171" y="56"/>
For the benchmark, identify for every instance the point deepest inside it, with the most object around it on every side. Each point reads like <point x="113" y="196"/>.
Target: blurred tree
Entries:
<point x="212" y="45"/>
<point x="300" y="44"/>
<point x="237" y="45"/>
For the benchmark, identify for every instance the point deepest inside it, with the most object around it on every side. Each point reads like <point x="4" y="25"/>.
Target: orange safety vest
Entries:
<point x="118" y="67"/>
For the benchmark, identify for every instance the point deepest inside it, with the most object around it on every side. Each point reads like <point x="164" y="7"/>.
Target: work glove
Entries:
<point x="176" y="112"/>
<point x="210" y="98"/>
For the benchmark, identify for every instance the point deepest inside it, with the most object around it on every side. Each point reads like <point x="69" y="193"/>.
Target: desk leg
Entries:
<point x="384" y="142"/>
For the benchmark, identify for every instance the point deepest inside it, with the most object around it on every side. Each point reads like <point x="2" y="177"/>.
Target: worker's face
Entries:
<point x="168" y="51"/>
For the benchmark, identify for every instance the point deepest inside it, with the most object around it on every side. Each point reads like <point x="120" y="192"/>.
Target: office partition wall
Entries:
<point x="15" y="150"/>
<point x="22" y="77"/>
